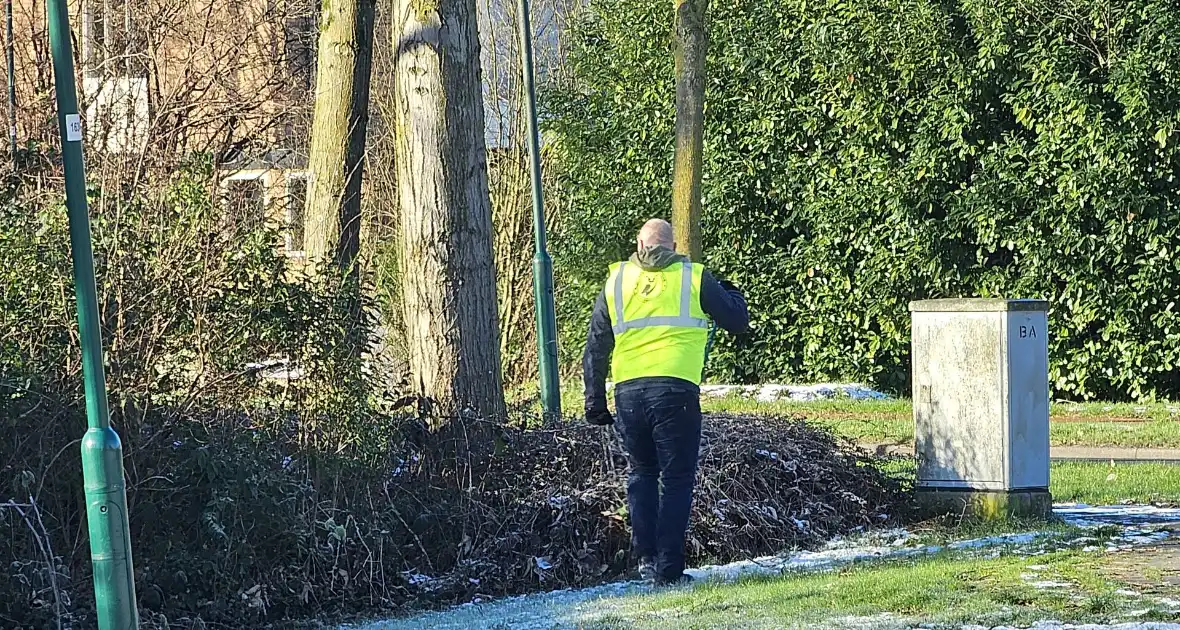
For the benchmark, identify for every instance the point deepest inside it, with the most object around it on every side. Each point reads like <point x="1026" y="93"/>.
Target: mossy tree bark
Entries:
<point x="448" y="271"/>
<point x="692" y="43"/>
<point x="339" y="127"/>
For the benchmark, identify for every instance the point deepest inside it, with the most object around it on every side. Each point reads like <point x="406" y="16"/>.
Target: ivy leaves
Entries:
<point x="861" y="154"/>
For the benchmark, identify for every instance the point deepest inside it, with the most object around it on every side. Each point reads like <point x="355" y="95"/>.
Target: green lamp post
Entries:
<point x="102" y="452"/>
<point x="542" y="263"/>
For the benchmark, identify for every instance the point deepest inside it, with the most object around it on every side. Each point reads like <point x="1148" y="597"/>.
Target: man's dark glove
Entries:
<point x="599" y="417"/>
<point x="728" y="286"/>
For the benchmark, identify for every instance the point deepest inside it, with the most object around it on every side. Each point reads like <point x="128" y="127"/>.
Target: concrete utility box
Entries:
<point x="981" y="405"/>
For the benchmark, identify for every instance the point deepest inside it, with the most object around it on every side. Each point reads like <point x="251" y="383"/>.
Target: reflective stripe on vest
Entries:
<point x="667" y="331"/>
<point x="683" y="320"/>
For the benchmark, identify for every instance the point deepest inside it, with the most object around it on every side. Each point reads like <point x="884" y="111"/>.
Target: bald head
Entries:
<point x="656" y="232"/>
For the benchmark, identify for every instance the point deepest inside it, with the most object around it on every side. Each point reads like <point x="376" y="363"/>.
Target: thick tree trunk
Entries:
<point x="448" y="273"/>
<point x="339" y="126"/>
<point x="692" y="45"/>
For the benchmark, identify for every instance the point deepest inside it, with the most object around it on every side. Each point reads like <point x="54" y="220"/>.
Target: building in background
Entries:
<point x="234" y="80"/>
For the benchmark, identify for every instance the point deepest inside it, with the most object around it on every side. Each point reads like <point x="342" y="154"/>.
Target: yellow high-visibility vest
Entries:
<point x="659" y="325"/>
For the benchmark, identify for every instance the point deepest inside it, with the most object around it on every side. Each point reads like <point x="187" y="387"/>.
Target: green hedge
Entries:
<point x="864" y="153"/>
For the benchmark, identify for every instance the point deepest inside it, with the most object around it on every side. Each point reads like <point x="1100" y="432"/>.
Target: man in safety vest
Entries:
<point x="651" y="324"/>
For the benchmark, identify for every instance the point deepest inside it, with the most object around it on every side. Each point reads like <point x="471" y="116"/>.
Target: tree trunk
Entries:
<point x="336" y="156"/>
<point x="448" y="273"/>
<point x="692" y="43"/>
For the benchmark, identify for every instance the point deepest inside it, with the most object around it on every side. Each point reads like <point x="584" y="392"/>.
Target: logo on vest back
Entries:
<point x="650" y="285"/>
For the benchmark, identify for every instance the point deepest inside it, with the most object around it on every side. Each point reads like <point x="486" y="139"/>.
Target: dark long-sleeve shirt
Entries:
<point x="726" y="307"/>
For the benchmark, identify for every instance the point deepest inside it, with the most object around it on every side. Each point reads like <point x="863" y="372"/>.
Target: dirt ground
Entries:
<point x="1154" y="570"/>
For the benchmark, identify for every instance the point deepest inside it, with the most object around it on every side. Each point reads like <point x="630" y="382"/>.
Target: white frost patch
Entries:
<point x="558" y="502"/>
<point x="1057" y="625"/>
<point x="842" y="552"/>
<point x="1033" y="577"/>
<point x="416" y="578"/>
<point x="425" y="583"/>
<point x="1128" y="515"/>
<point x="573" y="608"/>
<point x="1002" y="539"/>
<point x="1045" y="585"/>
<point x="876" y="622"/>
<point x="798" y="393"/>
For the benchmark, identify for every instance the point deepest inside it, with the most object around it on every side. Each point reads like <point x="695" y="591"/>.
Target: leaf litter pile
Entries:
<point x="548" y="508"/>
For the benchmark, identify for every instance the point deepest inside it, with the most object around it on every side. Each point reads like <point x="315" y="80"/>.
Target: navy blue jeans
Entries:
<point x="660" y="425"/>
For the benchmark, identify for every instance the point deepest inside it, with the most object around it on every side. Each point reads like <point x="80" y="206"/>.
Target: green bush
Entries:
<point x="234" y="480"/>
<point x="861" y="154"/>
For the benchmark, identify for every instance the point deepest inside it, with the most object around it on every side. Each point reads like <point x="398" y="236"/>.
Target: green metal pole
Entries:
<point x="542" y="263"/>
<point x="102" y="452"/>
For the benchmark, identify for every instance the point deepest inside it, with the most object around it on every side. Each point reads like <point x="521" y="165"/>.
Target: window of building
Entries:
<point x="112" y="45"/>
<point x="296" y="202"/>
<point x="299" y="48"/>
<point x="114" y="76"/>
<point x="245" y="202"/>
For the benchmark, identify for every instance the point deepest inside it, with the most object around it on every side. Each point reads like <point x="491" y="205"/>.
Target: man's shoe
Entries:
<point x="647" y="569"/>
<point x="683" y="579"/>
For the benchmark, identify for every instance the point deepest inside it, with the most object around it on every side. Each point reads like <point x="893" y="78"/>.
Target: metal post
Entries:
<point x="542" y="263"/>
<point x="9" y="47"/>
<point x="102" y="452"/>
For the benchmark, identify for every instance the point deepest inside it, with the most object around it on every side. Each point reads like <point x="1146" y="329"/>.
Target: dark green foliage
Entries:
<point x="233" y="479"/>
<point x="861" y="154"/>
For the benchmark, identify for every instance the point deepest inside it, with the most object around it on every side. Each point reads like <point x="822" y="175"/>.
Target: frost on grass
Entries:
<point x="797" y="393"/>
<point x="1125" y="515"/>
<point x="595" y="607"/>
<point x="1057" y="625"/>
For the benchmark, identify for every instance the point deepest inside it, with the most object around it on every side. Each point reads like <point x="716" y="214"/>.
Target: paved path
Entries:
<point x="1064" y="453"/>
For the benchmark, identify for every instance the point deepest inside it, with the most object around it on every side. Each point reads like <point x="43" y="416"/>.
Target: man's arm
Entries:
<point x="724" y="304"/>
<point x="600" y="342"/>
